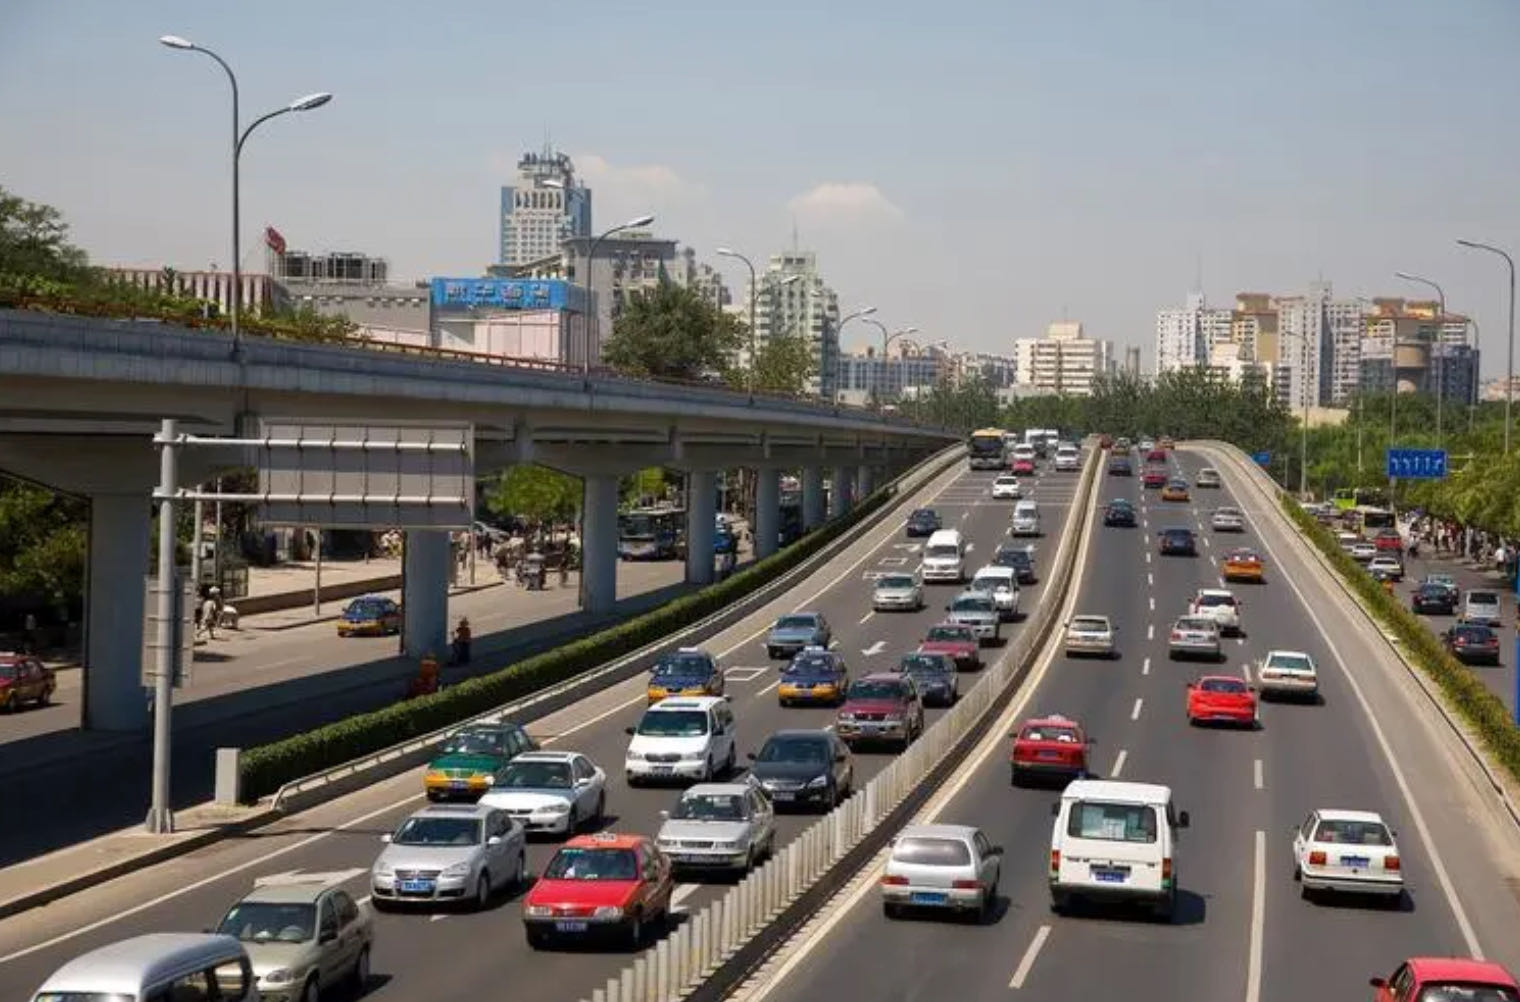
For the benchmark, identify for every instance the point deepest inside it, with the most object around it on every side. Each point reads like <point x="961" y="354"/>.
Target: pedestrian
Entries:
<point x="210" y="610"/>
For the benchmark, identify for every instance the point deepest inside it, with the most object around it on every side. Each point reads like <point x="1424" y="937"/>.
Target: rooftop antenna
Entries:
<point x="795" y="245"/>
<point x="548" y="143"/>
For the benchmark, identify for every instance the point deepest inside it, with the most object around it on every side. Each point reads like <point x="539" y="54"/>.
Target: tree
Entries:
<point x="781" y="365"/>
<point x="34" y="241"/>
<point x="671" y="332"/>
<point x="42" y="546"/>
<point x="535" y="493"/>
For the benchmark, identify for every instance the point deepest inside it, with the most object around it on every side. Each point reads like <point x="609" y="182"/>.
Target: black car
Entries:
<point x="1431" y="599"/>
<point x="1119" y="512"/>
<point x="1119" y="466"/>
<point x="804" y="768"/>
<point x="935" y="675"/>
<point x="1019" y="558"/>
<point x="1470" y="643"/>
<point x="1178" y="543"/>
<point x="924" y="522"/>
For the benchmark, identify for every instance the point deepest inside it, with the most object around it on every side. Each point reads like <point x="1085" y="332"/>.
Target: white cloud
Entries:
<point x="650" y="187"/>
<point x="845" y="200"/>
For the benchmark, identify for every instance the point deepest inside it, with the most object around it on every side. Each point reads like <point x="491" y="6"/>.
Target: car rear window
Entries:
<point x="1353" y="833"/>
<point x="1228" y="685"/>
<point x="593" y="864"/>
<point x="949" y="633"/>
<point x="877" y="688"/>
<point x="1048" y="732"/>
<point x="1290" y="662"/>
<point x="895" y="581"/>
<point x="1455" y="991"/>
<point x="1482" y="598"/>
<point x="1208" y="601"/>
<point x="932" y="852"/>
<point x="1084" y="624"/>
<point x="1193" y="623"/>
<point x="1112" y="822"/>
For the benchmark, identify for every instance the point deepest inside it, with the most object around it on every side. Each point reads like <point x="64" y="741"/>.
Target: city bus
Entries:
<point x="651" y="533"/>
<point x="1373" y="518"/>
<point x="985" y="449"/>
<point x="1348" y="498"/>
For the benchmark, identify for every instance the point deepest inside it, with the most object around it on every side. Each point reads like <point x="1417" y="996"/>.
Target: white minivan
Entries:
<point x="1115" y="841"/>
<point x="157" y="967"/>
<point x="1026" y="519"/>
<point x="691" y="738"/>
<point x="945" y="557"/>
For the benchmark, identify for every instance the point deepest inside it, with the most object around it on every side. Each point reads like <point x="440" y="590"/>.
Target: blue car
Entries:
<point x="797" y="630"/>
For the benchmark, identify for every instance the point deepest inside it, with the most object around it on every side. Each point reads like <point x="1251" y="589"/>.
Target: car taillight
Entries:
<point x="1166" y="868"/>
<point x="1316" y="859"/>
<point x="1390" y="862"/>
<point x="1176" y="634"/>
<point x="890" y="881"/>
<point x="966" y="885"/>
<point x="1055" y="861"/>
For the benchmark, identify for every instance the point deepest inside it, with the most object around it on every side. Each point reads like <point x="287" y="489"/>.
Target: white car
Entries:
<point x="1002" y="584"/>
<point x="1353" y="852"/>
<point x="1090" y="635"/>
<point x="1068" y="460"/>
<point x="1207" y="477"/>
<point x="1006" y="487"/>
<point x="1227" y="520"/>
<point x="1363" y="552"/>
<point x="685" y="738"/>
<point x="1288" y="673"/>
<point x="1218" y="604"/>
<point x="550" y="791"/>
<point x="1026" y="519"/>
<point x="1387" y="565"/>
<point x="1482" y="608"/>
<point x="944" y="868"/>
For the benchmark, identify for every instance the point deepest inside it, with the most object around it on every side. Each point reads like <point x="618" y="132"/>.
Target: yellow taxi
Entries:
<point x="1243" y="565"/>
<point x="690" y="671"/>
<point x="370" y="616"/>
<point x="816" y="675"/>
<point x="1175" y="490"/>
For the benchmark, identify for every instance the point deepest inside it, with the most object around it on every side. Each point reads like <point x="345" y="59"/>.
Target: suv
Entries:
<point x="881" y="707"/>
<point x="302" y="931"/>
<point x="728" y="826"/>
<point x="682" y="738"/>
<point x="979" y="611"/>
<point x="1001" y="584"/>
<point x="450" y="852"/>
<point x="1218" y="604"/>
<point x="1482" y="608"/>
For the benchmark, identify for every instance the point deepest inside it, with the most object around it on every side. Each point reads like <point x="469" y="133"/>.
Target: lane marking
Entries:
<point x="1258" y="918"/>
<point x="1022" y="971"/>
<point x="438" y="916"/>
<point x="1135" y="713"/>
<point x="1245" y="672"/>
<point x="866" y="618"/>
<point x="1145" y="667"/>
<point x="1150" y="579"/>
<point x="744" y="674"/>
<point x="1147" y="556"/>
<point x="768" y="689"/>
<point x="1207" y="541"/>
<point x="1153" y="603"/>
<point x="1118" y="764"/>
<point x="1150" y="632"/>
<point x="1258" y="778"/>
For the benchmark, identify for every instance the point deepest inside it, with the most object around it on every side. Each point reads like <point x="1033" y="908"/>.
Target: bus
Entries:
<point x="1348" y="498"/>
<point x="657" y="533"/>
<point x="985" y="449"/>
<point x="1372" y="518"/>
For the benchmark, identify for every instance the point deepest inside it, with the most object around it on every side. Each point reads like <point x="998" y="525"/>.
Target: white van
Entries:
<point x="1068" y="459"/>
<point x="1115" y="841"/>
<point x="1026" y="519"/>
<point x="686" y="738"/>
<point x="158" y="967"/>
<point x="945" y="557"/>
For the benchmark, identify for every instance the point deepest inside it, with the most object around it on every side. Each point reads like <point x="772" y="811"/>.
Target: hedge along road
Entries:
<point x="1242" y="931"/>
<point x="440" y="954"/>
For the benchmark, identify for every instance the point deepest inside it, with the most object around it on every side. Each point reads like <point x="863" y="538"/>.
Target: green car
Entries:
<point x="472" y="758"/>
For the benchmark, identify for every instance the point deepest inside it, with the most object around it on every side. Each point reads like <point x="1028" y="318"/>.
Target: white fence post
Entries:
<point x="626" y="982"/>
<point x="598" y="995"/>
<point x="640" y="979"/>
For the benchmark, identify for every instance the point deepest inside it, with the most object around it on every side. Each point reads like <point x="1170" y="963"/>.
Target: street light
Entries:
<point x="838" y="336"/>
<point x="886" y="341"/>
<point x="239" y="137"/>
<point x="1440" y="321"/>
<point x="1509" y="375"/>
<point x="591" y="313"/>
<point x="753" y="291"/>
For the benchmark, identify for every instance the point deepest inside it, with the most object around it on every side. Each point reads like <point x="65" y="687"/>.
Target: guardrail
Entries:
<point x="712" y="944"/>
<point x="339" y="779"/>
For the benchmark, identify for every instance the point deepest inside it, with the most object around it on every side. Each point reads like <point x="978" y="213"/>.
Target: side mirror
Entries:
<point x="1184" y="819"/>
<point x="494" y="840"/>
<point x="750" y="755"/>
<point x="1055" y="809"/>
<point x="1377" y="982"/>
<point x="996" y="850"/>
<point x="386" y="838"/>
<point x="630" y="730"/>
<point x="664" y="815"/>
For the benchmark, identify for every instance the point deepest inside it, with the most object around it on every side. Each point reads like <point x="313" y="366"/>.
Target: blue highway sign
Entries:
<point x="1417" y="464"/>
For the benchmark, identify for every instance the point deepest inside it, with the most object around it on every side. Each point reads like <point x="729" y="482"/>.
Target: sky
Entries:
<point x="977" y="172"/>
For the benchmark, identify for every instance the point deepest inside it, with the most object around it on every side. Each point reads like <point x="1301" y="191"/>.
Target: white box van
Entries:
<point x="685" y="738"/>
<point x="945" y="557"/>
<point x="1026" y="519"/>
<point x="155" y="967"/>
<point x="1115" y="841"/>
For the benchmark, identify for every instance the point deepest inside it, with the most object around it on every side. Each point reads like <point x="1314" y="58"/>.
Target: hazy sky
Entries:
<point x="975" y="170"/>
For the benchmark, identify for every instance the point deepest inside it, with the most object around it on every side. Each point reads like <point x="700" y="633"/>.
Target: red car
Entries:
<point x="1421" y="978"/>
<point x="600" y="883"/>
<point x="1023" y="467"/>
<point x="1052" y="746"/>
<point x="1221" y="699"/>
<point x="1106" y="441"/>
<point x="1154" y="477"/>
<point x="1157" y="456"/>
<point x="959" y="642"/>
<point x="24" y="679"/>
<point x="881" y="707"/>
<point x="1388" y="541"/>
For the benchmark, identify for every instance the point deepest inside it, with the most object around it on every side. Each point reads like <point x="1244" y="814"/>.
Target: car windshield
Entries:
<point x="425" y="830"/>
<point x="944" y="551"/>
<point x="810" y="664"/>
<point x="949" y="633"/>
<point x="1112" y="822"/>
<point x="674" y="724"/>
<point x="1050" y="732"/>
<point x="1089" y="624"/>
<point x="808" y="750"/>
<point x="710" y="807"/>
<point x="572" y="863"/>
<point x="795" y="623"/>
<point x="923" y="515"/>
<point x="1431" y="588"/>
<point x="925" y="664"/>
<point x="8" y="672"/>
<point x="1465" y="991"/>
<point x="1353" y="833"/>
<point x="932" y="852"/>
<point x="529" y="774"/>
<point x="1472" y="632"/>
<point x="1208" y="600"/>
<point x="1224" y="685"/>
<point x="370" y="608"/>
<point x="1291" y="662"/>
<point x="990" y="582"/>
<point x="1178" y="485"/>
<point x="971" y="603"/>
<point x="1119" y="503"/>
<point x="1227" y="513"/>
<point x="475" y="743"/>
<point x="270" y="922"/>
<point x="1196" y="623"/>
<point x="683" y="666"/>
<point x="895" y="581"/>
<point x="876" y="688"/>
<point x="1005" y="480"/>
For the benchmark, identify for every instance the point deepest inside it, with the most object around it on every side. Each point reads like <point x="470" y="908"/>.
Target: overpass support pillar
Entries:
<point x="841" y="498"/>
<point x="599" y="543"/>
<point x="701" y="519"/>
<point x="812" y="497"/>
<point x="865" y="478"/>
<point x="114" y="699"/>
<point x="425" y="593"/>
<point x="767" y="528"/>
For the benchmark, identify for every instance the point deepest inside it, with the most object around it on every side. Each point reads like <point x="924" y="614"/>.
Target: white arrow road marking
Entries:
<point x="874" y="649"/>
<point x="438" y="916"/>
<point x="892" y="561"/>
<point x="970" y="547"/>
<point x="302" y="877"/>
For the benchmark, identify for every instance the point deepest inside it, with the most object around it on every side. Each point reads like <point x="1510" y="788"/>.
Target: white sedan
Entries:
<point x="1006" y="486"/>
<point x="1352" y="852"/>
<point x="1288" y="673"/>
<point x="550" y="791"/>
<point x="1227" y="520"/>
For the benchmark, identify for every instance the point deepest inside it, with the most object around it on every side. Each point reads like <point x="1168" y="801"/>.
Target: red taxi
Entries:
<point x="1421" y="978"/>
<point x="1154" y="477"/>
<point x="1049" y="746"/>
<point x="1388" y="541"/>
<point x="1221" y="699"/>
<point x="598" y="884"/>
<point x="1023" y="468"/>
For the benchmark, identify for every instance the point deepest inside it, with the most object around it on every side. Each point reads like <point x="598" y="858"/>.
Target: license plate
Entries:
<point x="689" y="857"/>
<point x="927" y="898"/>
<point x="783" y="795"/>
<point x="1106" y="876"/>
<point x="571" y="926"/>
<point x="1356" y="861"/>
<point x="459" y="784"/>
<point x="417" y="887"/>
<point x="1050" y="756"/>
<point x="664" y="768"/>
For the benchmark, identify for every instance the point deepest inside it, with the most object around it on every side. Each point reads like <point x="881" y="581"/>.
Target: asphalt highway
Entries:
<point x="1242" y="931"/>
<point x="445" y="954"/>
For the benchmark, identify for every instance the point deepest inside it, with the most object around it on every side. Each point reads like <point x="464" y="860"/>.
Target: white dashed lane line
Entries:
<point x="1118" y="764"/>
<point x="1135" y="713"/>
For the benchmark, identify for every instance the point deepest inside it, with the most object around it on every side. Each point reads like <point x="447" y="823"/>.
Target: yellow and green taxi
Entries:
<point x="816" y="675"/>
<point x="472" y="758"/>
<point x="370" y="616"/>
<point x="689" y="671"/>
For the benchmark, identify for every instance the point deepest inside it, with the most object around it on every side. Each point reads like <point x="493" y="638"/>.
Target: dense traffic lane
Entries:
<point x="1500" y="678"/>
<point x="421" y="954"/>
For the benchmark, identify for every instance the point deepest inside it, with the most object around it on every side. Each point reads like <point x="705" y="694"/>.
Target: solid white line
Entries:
<point x="866" y="618"/>
<point x="1150" y="632"/>
<point x="1258" y="778"/>
<point x="1258" y="918"/>
<point x="1118" y="764"/>
<point x="1145" y="668"/>
<point x="1135" y="713"/>
<point x="1041" y="934"/>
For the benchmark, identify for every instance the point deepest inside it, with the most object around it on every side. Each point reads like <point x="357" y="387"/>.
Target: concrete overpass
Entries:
<point x="81" y="399"/>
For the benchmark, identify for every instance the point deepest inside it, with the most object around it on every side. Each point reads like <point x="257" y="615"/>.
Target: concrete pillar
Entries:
<point x="120" y="531"/>
<point x="425" y="598"/>
<point x="812" y="497"/>
<point x="599" y="539"/>
<point x="865" y="480"/>
<point x="701" y="518"/>
<point x="841" y="499"/>
<point x="767" y="527"/>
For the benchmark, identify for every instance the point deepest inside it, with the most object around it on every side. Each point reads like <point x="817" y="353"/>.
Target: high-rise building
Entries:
<point x="702" y="278"/>
<point x="904" y="372"/>
<point x="1132" y="359"/>
<point x="544" y="208"/>
<point x="1184" y="337"/>
<point x="1064" y="361"/>
<point x="792" y="299"/>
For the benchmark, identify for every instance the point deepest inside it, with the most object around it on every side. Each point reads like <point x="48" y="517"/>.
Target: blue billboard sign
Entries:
<point x="1417" y="464"/>
<point x="502" y="293"/>
<point x="1262" y="458"/>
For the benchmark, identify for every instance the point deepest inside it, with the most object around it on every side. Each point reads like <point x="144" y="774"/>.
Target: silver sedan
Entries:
<point x="897" y="591"/>
<point x="942" y="867"/>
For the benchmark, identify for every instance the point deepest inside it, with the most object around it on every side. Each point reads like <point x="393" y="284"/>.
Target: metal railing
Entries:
<point x="679" y="964"/>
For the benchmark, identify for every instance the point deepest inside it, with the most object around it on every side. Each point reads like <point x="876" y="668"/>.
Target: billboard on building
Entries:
<point x="505" y="294"/>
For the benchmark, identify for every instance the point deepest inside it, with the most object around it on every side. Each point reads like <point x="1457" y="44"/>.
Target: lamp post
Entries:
<point x="838" y="336"/>
<point x="1440" y="320"/>
<point x="239" y="137"/>
<point x="1509" y="373"/>
<point x="753" y="292"/>
<point x="591" y="311"/>
<point x="886" y="342"/>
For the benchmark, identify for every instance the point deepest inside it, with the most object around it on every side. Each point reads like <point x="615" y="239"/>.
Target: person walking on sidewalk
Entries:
<point x="211" y="611"/>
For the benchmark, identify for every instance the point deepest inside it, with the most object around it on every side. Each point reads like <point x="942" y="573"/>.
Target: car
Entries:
<point x="1175" y="490"/>
<point x="796" y="630"/>
<point x="1122" y="446"/>
<point x="1471" y="643"/>
<point x="689" y="671"/>
<point x="463" y="853"/>
<point x="304" y="934"/>
<point x="1346" y="539"/>
<point x="1218" y="604"/>
<point x="1390" y="567"/>
<point x="1116" y="841"/>
<point x="897" y="590"/>
<point x="1026" y="519"/>
<point x="923" y="522"/>
<point x="1241" y="564"/>
<point x="804" y="768"/>
<point x="1178" y="542"/>
<point x="370" y="616"/>
<point x="1194" y="637"/>
<point x="719" y="826"/>
<point x="1227" y="519"/>
<point x="944" y="557"/>
<point x="1348" y="851"/>
<point x="1388" y="540"/>
<point x="551" y="791"/>
<point x="1001" y="584"/>
<point x="1222" y="699"/>
<point x="1050" y="747"/>
<point x="881" y="707"/>
<point x="1089" y="635"/>
<point x="1288" y="674"/>
<point x="1432" y="599"/>
<point x="1208" y="477"/>
<point x="1440" y="978"/>
<point x="689" y="738"/>
<point x="1146" y="445"/>
<point x="1022" y="467"/>
<point x="1120" y="512"/>
<point x="1362" y="551"/>
<point x="1019" y="558"/>
<point x="1482" y="608"/>
<point x="942" y="867"/>
<point x="472" y="757"/>
<point x="1154" y="478"/>
<point x="1165" y="442"/>
<point x="1006" y="486"/>
<point x="935" y="675"/>
<point x="815" y="676"/>
<point x="1155" y="456"/>
<point x="1120" y="466"/>
<point x="1023" y="451"/>
<point x="609" y="883"/>
<point x="24" y="679"/>
<point x="957" y="642"/>
<point x="1068" y="459"/>
<point x="977" y="610"/>
<point x="1445" y="581"/>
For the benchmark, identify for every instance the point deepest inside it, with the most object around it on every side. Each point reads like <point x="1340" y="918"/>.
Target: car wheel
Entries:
<point x="989" y="904"/>
<point x="360" y="976"/>
<point x="381" y="904"/>
<point x="1166" y="907"/>
<point x="520" y="871"/>
<point x="636" y="930"/>
<point x="1015" y="778"/>
<point x="891" y="909"/>
<point x="434" y="797"/>
<point x="482" y="899"/>
<point x="538" y="939"/>
<point x="728" y="767"/>
<point x="600" y="814"/>
<point x="312" y="992"/>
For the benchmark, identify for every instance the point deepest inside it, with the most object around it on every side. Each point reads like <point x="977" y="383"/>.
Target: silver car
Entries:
<point x="942" y="867"/>
<point x="978" y="611"/>
<point x="450" y="852"/>
<point x="1194" y="637"/>
<point x="729" y="826"/>
<point x="550" y="791"/>
<point x="897" y="591"/>
<point x="1207" y="477"/>
<point x="304" y="935"/>
<point x="1227" y="520"/>
<point x="1091" y="635"/>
